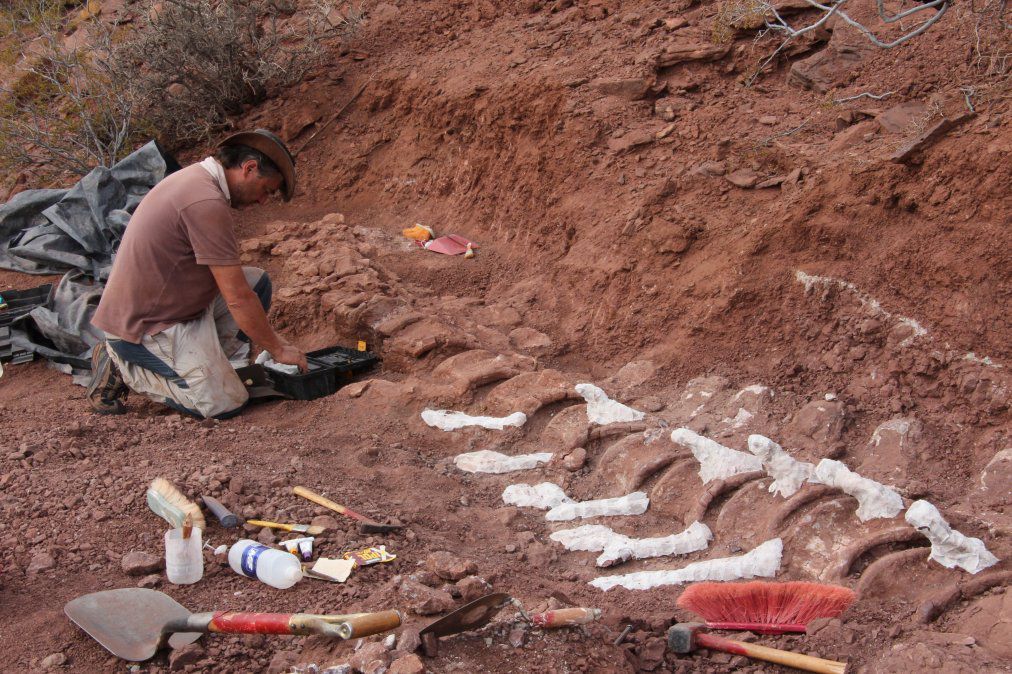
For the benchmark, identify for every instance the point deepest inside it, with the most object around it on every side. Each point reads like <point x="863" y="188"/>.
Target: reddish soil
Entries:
<point x="609" y="255"/>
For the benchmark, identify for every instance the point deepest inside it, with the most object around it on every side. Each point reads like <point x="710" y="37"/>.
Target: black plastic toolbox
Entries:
<point x="318" y="382"/>
<point x="19" y="303"/>
<point x="329" y="370"/>
<point x="346" y="360"/>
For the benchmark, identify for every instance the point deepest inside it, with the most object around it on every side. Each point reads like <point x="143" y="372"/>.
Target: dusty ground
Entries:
<point x="864" y="294"/>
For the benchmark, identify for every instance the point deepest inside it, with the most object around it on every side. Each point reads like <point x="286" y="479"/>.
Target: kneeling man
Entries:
<point x="179" y="311"/>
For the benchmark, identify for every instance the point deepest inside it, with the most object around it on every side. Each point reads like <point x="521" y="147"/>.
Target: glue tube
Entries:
<point x="303" y="547"/>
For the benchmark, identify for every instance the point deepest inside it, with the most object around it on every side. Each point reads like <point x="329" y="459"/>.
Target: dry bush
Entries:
<point x="64" y="108"/>
<point x="199" y="62"/>
<point x="735" y="15"/>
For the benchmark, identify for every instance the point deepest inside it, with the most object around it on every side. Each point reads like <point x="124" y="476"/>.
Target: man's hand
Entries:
<point x="290" y="355"/>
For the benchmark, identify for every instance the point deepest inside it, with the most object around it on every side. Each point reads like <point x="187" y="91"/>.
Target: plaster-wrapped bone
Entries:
<point x="948" y="547"/>
<point x="787" y="472"/>
<point x="543" y="496"/>
<point x="635" y="503"/>
<point x="447" y="420"/>
<point x="617" y="548"/>
<point x="716" y="462"/>
<point x="487" y="461"/>
<point x="761" y="562"/>
<point x="874" y="499"/>
<point x="603" y="410"/>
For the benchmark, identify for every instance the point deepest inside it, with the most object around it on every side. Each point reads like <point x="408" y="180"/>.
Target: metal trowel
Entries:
<point x="471" y="616"/>
<point x="133" y="623"/>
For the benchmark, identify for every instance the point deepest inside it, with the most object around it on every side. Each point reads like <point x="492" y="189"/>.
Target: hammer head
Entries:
<point x="682" y="637"/>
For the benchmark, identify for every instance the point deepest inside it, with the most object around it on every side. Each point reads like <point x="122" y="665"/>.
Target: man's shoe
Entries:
<point x="107" y="392"/>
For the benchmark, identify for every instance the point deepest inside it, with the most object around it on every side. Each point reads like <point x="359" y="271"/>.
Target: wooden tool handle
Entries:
<point x="372" y="623"/>
<point x="796" y="660"/>
<point x="270" y="525"/>
<point x="566" y="617"/>
<point x="326" y="503"/>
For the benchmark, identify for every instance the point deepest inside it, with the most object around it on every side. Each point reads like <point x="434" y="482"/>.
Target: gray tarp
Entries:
<point x="75" y="231"/>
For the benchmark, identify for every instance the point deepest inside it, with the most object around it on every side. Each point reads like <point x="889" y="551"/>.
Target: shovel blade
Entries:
<point x="128" y="622"/>
<point x="468" y="617"/>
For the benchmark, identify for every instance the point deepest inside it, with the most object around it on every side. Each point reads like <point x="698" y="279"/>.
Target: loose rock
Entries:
<point x="450" y="566"/>
<point x="139" y="563"/>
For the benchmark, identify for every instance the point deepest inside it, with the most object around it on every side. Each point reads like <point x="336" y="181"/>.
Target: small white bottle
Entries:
<point x="276" y="568"/>
<point x="184" y="557"/>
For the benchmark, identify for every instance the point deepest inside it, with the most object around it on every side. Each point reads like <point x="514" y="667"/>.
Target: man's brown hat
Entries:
<point x="266" y="142"/>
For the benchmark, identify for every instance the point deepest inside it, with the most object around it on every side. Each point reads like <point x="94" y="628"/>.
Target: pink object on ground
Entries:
<point x="450" y="245"/>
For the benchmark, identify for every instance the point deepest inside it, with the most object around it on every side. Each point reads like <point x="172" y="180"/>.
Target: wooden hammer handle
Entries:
<point x="327" y="503"/>
<point x="796" y="660"/>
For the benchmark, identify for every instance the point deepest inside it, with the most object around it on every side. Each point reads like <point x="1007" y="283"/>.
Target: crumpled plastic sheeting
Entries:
<point x="788" y="473"/>
<point x="78" y="229"/>
<point x="543" y="496"/>
<point x="635" y="503"/>
<point x="487" y="461"/>
<point x="61" y="330"/>
<point x="53" y="231"/>
<point x="874" y="499"/>
<point x="603" y="410"/>
<point x="762" y="562"/>
<point x="716" y="462"/>
<point x="447" y="420"/>
<point x="617" y="548"/>
<point x="948" y="547"/>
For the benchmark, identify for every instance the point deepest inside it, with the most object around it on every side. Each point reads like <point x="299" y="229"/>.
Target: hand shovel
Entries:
<point x="133" y="623"/>
<point x="470" y="616"/>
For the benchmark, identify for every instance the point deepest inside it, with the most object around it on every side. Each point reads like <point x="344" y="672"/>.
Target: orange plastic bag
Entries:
<point x="418" y="232"/>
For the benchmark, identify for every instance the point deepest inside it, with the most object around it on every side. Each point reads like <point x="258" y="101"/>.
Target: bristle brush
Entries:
<point x="169" y="503"/>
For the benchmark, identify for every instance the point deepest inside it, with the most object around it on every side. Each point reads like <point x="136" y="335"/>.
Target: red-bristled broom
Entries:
<point x="764" y="607"/>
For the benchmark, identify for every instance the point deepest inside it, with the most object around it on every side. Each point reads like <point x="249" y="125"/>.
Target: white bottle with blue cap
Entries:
<point x="254" y="560"/>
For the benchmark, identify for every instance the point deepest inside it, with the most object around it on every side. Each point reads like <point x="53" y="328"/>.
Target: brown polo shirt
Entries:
<point x="160" y="276"/>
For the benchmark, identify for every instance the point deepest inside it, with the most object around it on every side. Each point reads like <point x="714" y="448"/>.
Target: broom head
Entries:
<point x="169" y="503"/>
<point x="765" y="603"/>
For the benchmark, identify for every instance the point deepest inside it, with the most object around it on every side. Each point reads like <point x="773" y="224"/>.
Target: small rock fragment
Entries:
<point x="41" y="561"/>
<point x="189" y="654"/>
<point x="472" y="588"/>
<point x="409" y="641"/>
<point x="517" y="637"/>
<point x="450" y="566"/>
<point x="152" y="581"/>
<point x="371" y="652"/>
<point x="408" y="664"/>
<point x="53" y="661"/>
<point x="139" y="563"/>
<point x="745" y="178"/>
<point x="575" y="460"/>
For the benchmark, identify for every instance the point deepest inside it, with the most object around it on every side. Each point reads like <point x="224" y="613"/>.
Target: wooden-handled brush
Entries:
<point x="169" y="503"/>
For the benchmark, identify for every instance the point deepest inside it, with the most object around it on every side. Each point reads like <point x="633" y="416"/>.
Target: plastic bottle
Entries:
<point x="184" y="557"/>
<point x="276" y="568"/>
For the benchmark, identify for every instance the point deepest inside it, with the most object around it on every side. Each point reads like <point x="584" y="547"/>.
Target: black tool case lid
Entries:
<point x="346" y="360"/>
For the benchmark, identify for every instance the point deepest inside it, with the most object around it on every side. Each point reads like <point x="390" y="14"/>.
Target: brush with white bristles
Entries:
<point x="169" y="503"/>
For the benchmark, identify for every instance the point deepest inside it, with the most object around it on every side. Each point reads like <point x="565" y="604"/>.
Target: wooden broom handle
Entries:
<point x="796" y="660"/>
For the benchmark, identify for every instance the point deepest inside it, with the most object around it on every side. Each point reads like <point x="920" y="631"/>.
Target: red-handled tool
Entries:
<point x="687" y="637"/>
<point x="133" y="623"/>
